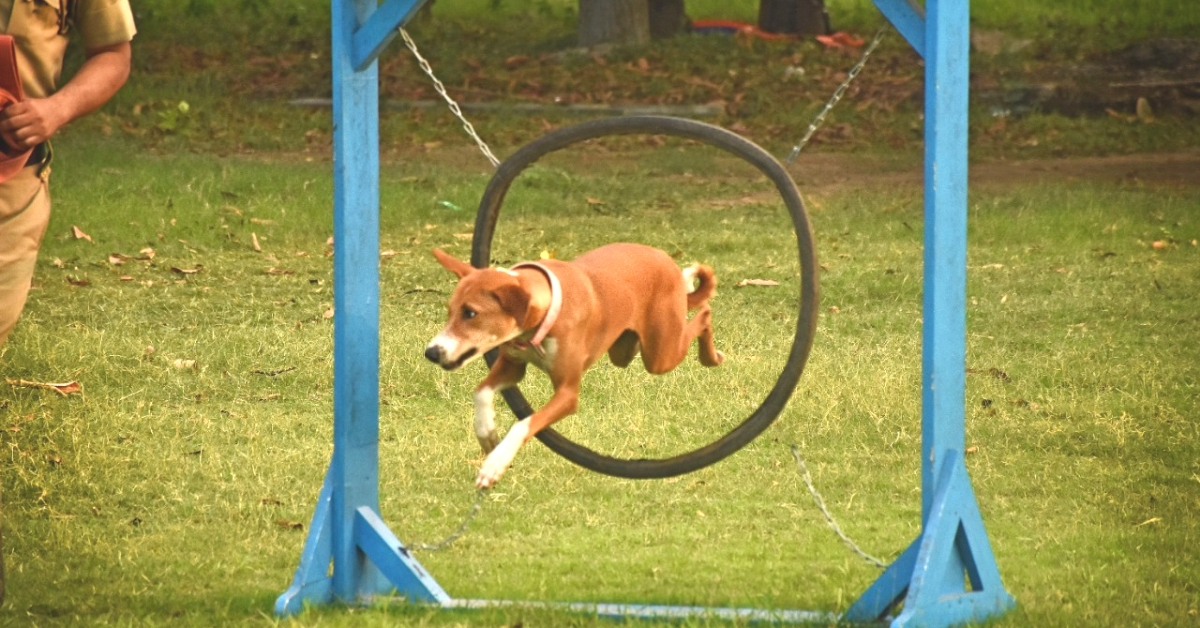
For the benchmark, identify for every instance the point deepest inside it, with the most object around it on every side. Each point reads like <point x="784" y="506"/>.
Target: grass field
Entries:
<point x="168" y="495"/>
<point x="175" y="487"/>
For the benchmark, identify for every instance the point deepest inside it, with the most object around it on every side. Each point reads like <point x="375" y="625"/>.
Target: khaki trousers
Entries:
<point x="24" y="215"/>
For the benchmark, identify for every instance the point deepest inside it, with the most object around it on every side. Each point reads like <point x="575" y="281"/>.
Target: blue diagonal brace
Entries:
<point x="379" y="29"/>
<point x="312" y="582"/>
<point x="390" y="556"/>
<point x="908" y="18"/>
<point x="888" y="589"/>
<point x="954" y="550"/>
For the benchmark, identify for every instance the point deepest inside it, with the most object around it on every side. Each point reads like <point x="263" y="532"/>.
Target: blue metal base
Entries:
<point x="931" y="577"/>
<point x="393" y="570"/>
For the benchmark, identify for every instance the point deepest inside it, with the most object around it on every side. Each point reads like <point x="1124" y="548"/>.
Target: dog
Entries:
<point x="561" y="317"/>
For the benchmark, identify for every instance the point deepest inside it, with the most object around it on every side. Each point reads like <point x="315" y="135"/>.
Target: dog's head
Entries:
<point x="489" y="307"/>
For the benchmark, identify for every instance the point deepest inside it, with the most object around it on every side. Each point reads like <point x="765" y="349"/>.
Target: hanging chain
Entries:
<point x="808" y="481"/>
<point x="457" y="534"/>
<point x="454" y="108"/>
<point x="837" y="95"/>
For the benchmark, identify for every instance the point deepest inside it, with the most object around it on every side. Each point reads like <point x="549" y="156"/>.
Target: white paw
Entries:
<point x="502" y="456"/>
<point x="490" y="473"/>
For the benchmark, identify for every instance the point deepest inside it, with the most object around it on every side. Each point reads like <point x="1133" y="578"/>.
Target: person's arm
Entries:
<point x="31" y="122"/>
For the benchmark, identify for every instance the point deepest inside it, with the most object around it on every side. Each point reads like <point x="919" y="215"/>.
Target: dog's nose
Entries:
<point x="433" y="353"/>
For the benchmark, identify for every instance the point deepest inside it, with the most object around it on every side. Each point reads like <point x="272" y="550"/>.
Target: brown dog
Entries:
<point x="561" y="317"/>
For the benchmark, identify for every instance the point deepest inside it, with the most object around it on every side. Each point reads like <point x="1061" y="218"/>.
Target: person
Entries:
<point x="41" y="30"/>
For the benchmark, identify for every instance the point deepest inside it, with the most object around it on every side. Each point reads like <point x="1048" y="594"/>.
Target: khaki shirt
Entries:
<point x="42" y="29"/>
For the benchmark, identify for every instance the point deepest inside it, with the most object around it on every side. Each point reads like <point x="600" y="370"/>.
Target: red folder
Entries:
<point x="11" y="159"/>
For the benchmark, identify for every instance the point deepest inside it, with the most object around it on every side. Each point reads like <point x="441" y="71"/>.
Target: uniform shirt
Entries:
<point x="42" y="28"/>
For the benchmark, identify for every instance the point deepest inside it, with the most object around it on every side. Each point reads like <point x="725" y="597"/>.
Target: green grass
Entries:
<point x="163" y="495"/>
<point x="173" y="496"/>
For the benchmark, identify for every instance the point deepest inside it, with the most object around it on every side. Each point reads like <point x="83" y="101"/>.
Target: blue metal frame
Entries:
<point x="351" y="556"/>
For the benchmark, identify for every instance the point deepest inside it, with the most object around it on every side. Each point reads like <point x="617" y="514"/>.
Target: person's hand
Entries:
<point x="28" y="123"/>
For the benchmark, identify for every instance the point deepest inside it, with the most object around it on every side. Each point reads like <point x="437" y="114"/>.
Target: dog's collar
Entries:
<point x="556" y="300"/>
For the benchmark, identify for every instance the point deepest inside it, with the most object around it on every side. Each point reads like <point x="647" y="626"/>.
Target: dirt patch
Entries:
<point x="827" y="173"/>
<point x="1165" y="73"/>
<point x="832" y="172"/>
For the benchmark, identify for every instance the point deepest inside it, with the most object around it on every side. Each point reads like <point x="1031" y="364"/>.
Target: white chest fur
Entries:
<point x="542" y="358"/>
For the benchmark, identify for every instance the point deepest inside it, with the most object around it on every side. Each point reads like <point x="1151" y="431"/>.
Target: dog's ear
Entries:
<point x="514" y="300"/>
<point x="452" y="264"/>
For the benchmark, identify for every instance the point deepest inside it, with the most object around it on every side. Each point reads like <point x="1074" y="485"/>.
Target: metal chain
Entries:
<point x="454" y="108"/>
<point x="457" y="534"/>
<point x="808" y="481"/>
<point x="837" y="95"/>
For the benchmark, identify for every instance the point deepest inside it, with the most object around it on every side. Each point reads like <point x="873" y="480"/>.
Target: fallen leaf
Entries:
<point x="182" y="364"/>
<point x="280" y="371"/>
<point x="757" y="282"/>
<point x="79" y="234"/>
<point x="58" y="263"/>
<point x="1158" y="245"/>
<point x="328" y="314"/>
<point x="262" y="221"/>
<point x="290" y="525"/>
<point x="388" y="253"/>
<point x="116" y="259"/>
<point x="271" y="501"/>
<point x="63" y="389"/>
<point x="280" y="271"/>
<point x="186" y="271"/>
<point x="75" y="281"/>
<point x="972" y="449"/>
<point x="126" y="278"/>
<point x="254" y="242"/>
<point x="147" y="253"/>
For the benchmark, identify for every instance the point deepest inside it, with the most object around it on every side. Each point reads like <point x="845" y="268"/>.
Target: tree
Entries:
<point x="629" y="21"/>
<point x="793" y="17"/>
<point x="613" y="21"/>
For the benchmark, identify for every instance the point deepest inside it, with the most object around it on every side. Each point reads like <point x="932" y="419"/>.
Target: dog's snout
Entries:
<point x="433" y="353"/>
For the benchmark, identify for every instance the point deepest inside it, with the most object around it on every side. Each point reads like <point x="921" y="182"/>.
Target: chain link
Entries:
<point x="457" y="534"/>
<point x="808" y="481"/>
<point x="454" y="108"/>
<point x="837" y="95"/>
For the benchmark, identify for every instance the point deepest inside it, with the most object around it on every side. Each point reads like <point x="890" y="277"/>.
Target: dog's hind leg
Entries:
<point x="666" y="344"/>
<point x="709" y="356"/>
<point x="624" y="349"/>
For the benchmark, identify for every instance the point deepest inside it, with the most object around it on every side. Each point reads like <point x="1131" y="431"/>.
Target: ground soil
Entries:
<point x="828" y="172"/>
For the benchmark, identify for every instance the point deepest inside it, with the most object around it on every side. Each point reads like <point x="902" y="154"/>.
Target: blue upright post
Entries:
<point x="346" y="530"/>
<point x="932" y="575"/>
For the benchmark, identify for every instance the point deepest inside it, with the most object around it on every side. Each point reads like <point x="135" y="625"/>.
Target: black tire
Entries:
<point x="761" y="418"/>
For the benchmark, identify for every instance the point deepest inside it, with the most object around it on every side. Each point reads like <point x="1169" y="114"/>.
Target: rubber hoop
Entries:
<point x="806" y="323"/>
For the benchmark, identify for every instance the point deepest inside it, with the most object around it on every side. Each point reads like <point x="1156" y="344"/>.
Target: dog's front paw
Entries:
<point x="489" y="441"/>
<point x="491" y="472"/>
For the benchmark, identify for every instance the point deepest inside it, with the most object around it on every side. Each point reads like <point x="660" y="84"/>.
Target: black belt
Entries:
<point x="38" y="156"/>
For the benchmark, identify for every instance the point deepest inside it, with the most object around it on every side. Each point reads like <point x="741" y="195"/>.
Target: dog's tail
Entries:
<point x="701" y="284"/>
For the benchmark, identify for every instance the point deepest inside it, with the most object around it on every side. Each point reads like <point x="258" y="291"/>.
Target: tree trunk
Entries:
<point x="668" y="18"/>
<point x="613" y="22"/>
<point x="793" y="17"/>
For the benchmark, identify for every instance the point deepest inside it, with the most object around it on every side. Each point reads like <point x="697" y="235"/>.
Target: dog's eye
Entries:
<point x="468" y="313"/>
